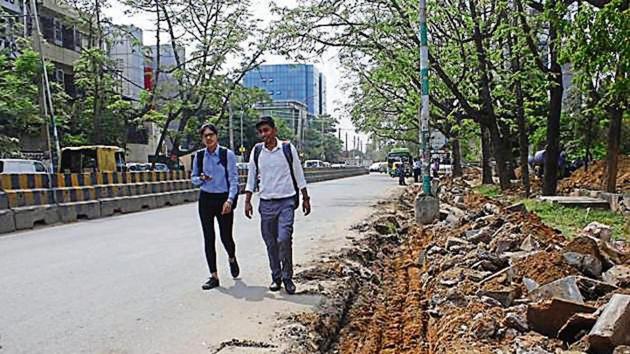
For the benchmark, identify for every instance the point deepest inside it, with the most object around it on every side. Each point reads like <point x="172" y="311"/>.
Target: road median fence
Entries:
<point x="30" y="199"/>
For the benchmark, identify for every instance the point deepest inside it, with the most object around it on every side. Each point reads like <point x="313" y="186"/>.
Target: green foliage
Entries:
<point x="487" y="190"/>
<point x="572" y="220"/>
<point x="19" y="108"/>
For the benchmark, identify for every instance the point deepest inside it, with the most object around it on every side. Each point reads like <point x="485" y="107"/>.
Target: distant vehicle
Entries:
<point x="378" y="167"/>
<point x="21" y="166"/>
<point x="401" y="155"/>
<point x="315" y="164"/>
<point x="135" y="167"/>
<point x="339" y="165"/>
<point x="242" y="166"/>
<point x="94" y="158"/>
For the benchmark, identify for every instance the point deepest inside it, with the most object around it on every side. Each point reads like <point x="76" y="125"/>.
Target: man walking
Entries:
<point x="417" y="169"/>
<point x="281" y="180"/>
<point x="214" y="169"/>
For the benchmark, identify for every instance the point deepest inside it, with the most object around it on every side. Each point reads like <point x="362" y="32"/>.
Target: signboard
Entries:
<point x="11" y="5"/>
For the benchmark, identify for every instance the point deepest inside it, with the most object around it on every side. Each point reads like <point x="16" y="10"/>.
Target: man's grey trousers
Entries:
<point x="276" y="225"/>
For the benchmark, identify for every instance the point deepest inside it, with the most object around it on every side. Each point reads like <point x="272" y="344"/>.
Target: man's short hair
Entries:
<point x="210" y="126"/>
<point x="265" y="120"/>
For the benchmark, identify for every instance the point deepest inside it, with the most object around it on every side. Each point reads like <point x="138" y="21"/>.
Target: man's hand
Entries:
<point x="306" y="206"/>
<point x="203" y="177"/>
<point x="227" y="207"/>
<point x="249" y="209"/>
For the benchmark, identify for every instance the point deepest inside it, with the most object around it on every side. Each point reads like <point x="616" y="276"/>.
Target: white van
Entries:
<point x="21" y="166"/>
<point x="314" y="164"/>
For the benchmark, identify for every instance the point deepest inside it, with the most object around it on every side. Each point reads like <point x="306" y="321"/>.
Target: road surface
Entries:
<point x="131" y="283"/>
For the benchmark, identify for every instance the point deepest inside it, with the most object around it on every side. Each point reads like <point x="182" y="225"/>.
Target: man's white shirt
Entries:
<point x="275" y="176"/>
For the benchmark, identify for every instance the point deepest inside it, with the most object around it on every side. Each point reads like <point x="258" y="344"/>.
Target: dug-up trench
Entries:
<point x="465" y="284"/>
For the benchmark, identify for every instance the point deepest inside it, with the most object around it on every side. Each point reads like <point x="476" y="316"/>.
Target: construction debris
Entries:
<point x="488" y="275"/>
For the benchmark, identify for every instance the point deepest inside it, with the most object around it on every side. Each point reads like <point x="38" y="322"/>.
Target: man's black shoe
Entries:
<point x="234" y="269"/>
<point x="211" y="283"/>
<point x="289" y="286"/>
<point x="275" y="286"/>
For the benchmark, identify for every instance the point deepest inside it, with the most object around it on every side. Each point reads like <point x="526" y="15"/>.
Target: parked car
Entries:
<point x="22" y="166"/>
<point x="160" y="167"/>
<point x="378" y="167"/>
<point x="315" y="164"/>
<point x="339" y="165"/>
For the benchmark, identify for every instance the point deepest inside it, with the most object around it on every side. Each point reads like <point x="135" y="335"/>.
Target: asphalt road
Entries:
<point x="131" y="283"/>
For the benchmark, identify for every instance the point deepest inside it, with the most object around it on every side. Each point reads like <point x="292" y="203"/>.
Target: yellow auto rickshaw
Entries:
<point x="95" y="158"/>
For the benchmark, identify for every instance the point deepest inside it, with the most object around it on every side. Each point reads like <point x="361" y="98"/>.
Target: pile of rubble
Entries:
<point x="486" y="278"/>
<point x="499" y="279"/>
<point x="594" y="177"/>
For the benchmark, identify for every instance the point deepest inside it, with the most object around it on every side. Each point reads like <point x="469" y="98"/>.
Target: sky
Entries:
<point x="328" y="64"/>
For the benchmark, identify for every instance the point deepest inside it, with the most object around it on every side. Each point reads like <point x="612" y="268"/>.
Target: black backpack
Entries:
<point x="286" y="149"/>
<point x="223" y="160"/>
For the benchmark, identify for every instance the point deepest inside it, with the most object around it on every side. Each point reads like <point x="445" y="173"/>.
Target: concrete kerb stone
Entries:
<point x="7" y="221"/>
<point x="27" y="217"/>
<point x="69" y="212"/>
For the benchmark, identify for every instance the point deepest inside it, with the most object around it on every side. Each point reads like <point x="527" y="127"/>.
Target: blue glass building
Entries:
<point x="291" y="82"/>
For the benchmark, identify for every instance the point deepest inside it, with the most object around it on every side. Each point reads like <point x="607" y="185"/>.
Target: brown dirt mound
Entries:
<point x="594" y="177"/>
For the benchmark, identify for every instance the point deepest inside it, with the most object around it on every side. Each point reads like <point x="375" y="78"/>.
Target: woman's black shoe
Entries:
<point x="211" y="283"/>
<point x="275" y="286"/>
<point x="234" y="269"/>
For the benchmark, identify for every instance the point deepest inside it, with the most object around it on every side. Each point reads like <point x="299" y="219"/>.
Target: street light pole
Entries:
<point x="427" y="205"/>
<point x="424" y="111"/>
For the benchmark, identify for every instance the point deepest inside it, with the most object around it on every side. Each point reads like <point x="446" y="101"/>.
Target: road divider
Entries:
<point x="27" y="200"/>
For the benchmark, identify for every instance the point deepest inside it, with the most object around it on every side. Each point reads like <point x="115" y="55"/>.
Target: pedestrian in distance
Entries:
<point x="417" y="169"/>
<point x="214" y="171"/>
<point x="435" y="167"/>
<point x="281" y="180"/>
<point x="401" y="174"/>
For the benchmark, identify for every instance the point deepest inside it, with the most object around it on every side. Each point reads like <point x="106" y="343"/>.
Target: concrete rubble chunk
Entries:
<point x="592" y="289"/>
<point x="622" y="349"/>
<point x="613" y="326"/>
<point x="565" y="288"/>
<point x="479" y="236"/>
<point x="507" y="272"/>
<point x="512" y="320"/>
<point x="516" y="207"/>
<point x="586" y="263"/>
<point x="598" y="230"/>
<point x="577" y="327"/>
<point x="530" y="284"/>
<point x="618" y="275"/>
<point x="455" y="241"/>
<point x="548" y="317"/>
<point x="505" y="295"/>
<point x="530" y="244"/>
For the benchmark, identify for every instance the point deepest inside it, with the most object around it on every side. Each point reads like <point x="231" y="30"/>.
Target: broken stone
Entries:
<point x="513" y="257"/>
<point x="483" y="327"/>
<point x="613" y="325"/>
<point x="565" y="288"/>
<point x="491" y="208"/>
<point x="529" y="244"/>
<point x="506" y="244"/>
<point x="593" y="289"/>
<point x="475" y="275"/>
<point x="478" y="236"/>
<point x="618" y="275"/>
<point x="504" y="295"/>
<point x="622" y="349"/>
<point x="547" y="317"/>
<point x="530" y="284"/>
<point x="490" y="301"/>
<point x="436" y="250"/>
<point x="598" y="230"/>
<point x="453" y="241"/>
<point x="516" y="207"/>
<point x="485" y="265"/>
<point x="508" y="273"/>
<point x="586" y="263"/>
<point x="515" y="321"/>
<point x="577" y="327"/>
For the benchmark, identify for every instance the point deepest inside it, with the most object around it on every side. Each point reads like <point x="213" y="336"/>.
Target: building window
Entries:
<point x="59" y="76"/>
<point x="58" y="34"/>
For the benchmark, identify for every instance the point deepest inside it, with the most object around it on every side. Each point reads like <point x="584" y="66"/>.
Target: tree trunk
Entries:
<point x="486" y="169"/>
<point x="457" y="158"/>
<point x="498" y="145"/>
<point x="552" y="150"/>
<point x="614" y="138"/>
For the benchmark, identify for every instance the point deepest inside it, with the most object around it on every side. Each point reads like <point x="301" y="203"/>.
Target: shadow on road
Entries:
<point x="241" y="290"/>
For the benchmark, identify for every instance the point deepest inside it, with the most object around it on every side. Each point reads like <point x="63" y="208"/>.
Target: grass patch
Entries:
<point x="488" y="190"/>
<point x="572" y="220"/>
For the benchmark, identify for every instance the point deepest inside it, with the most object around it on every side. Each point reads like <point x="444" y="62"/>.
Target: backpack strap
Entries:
<point x="288" y="154"/>
<point x="224" y="162"/>
<point x="257" y="150"/>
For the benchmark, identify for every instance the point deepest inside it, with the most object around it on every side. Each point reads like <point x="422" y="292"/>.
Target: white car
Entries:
<point x="21" y="166"/>
<point x="314" y="164"/>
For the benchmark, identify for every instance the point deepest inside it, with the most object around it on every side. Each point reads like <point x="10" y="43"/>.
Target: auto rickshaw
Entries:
<point x="96" y="158"/>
